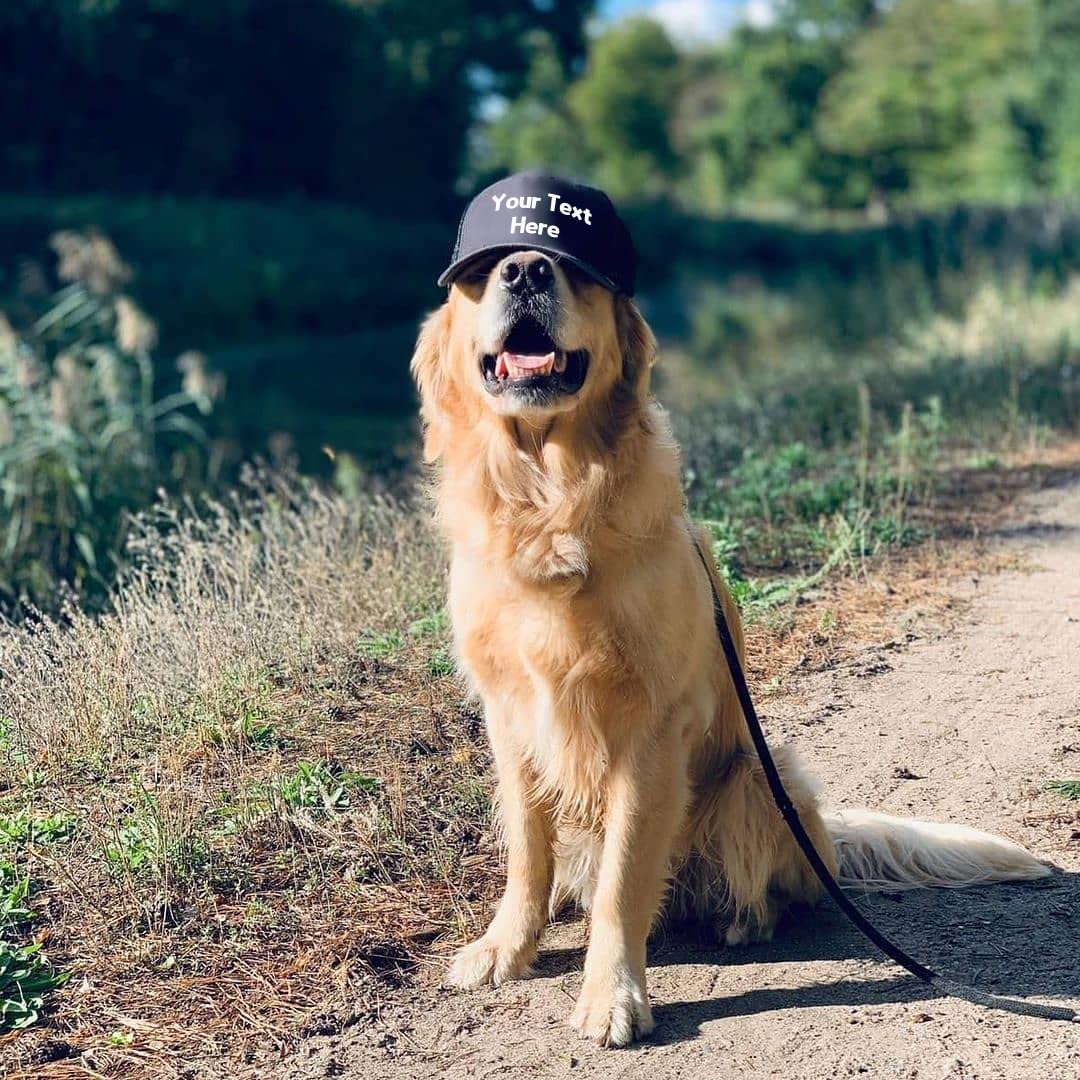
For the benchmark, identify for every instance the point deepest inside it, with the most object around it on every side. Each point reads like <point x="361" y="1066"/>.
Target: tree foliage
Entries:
<point x="401" y="105"/>
<point x="611" y="123"/>
<point x="622" y="104"/>
<point x="933" y="97"/>
<point x="837" y="103"/>
<point x="1057" y="71"/>
<point x="365" y="100"/>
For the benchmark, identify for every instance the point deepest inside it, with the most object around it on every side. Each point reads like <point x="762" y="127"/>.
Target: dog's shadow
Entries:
<point x="1017" y="939"/>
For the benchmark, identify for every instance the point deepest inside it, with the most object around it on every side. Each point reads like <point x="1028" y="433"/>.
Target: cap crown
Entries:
<point x="540" y="212"/>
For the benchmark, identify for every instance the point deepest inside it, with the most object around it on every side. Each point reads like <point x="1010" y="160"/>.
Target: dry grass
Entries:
<point x="238" y="748"/>
<point x="273" y="802"/>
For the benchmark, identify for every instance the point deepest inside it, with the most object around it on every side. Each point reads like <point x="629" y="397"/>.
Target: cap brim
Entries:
<point x="455" y="269"/>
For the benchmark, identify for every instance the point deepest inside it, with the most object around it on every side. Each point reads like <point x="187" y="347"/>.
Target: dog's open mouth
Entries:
<point x="531" y="364"/>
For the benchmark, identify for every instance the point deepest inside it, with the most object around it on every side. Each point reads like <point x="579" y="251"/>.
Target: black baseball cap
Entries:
<point x="535" y="211"/>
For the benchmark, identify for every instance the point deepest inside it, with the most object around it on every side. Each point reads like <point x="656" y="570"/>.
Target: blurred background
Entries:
<point x="220" y="222"/>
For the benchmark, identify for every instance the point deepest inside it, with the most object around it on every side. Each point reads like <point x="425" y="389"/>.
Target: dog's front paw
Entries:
<point x="613" y="1009"/>
<point x="487" y="962"/>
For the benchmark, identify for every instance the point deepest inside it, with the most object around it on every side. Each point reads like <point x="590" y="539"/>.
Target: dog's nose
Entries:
<point x="527" y="273"/>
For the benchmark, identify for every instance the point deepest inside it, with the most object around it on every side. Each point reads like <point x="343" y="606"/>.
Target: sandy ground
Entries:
<point x="963" y="724"/>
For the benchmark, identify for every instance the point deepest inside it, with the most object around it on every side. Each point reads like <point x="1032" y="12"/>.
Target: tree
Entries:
<point x="751" y="115"/>
<point x="623" y="105"/>
<point x="536" y="129"/>
<point x="262" y="97"/>
<point x="754" y="129"/>
<point x="931" y="99"/>
<point x="426" y="70"/>
<point x="837" y="103"/>
<point x="610" y="125"/>
<point x="1058" y="75"/>
<point x="825" y="20"/>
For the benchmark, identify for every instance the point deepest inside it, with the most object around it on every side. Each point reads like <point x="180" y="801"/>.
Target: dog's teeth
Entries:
<point x="526" y="365"/>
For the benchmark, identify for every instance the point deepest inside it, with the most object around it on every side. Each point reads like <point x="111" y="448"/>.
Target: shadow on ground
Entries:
<point x="1017" y="940"/>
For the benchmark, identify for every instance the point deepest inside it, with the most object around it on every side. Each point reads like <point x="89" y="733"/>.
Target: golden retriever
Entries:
<point x="583" y="619"/>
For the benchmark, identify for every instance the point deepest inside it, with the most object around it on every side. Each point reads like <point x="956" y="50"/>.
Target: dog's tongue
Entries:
<point x="530" y="360"/>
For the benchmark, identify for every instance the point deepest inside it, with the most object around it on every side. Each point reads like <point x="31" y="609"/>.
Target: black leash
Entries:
<point x="791" y="817"/>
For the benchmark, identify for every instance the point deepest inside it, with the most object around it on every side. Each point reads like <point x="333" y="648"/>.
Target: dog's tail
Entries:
<point x="882" y="853"/>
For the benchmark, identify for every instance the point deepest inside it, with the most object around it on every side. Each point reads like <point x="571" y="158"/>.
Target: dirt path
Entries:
<point x="965" y="726"/>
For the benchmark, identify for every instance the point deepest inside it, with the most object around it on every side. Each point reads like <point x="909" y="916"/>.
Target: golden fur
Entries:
<point x="583" y="618"/>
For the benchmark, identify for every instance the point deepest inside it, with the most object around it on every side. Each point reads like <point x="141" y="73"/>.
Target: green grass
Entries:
<point x="818" y="459"/>
<point x="434" y="626"/>
<point x="373" y="646"/>
<point x="14" y="891"/>
<point x="441" y="664"/>
<point x="437" y="622"/>
<point x="799" y="514"/>
<point x="1069" y="789"/>
<point x="236" y="709"/>
<point x="148" y="842"/>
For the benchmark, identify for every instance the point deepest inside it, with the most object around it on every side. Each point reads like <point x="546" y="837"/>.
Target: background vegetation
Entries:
<point x="834" y="103"/>
<point x="283" y="178"/>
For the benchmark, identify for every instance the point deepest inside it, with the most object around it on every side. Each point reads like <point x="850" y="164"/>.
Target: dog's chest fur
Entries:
<point x="575" y="675"/>
<point x="546" y="666"/>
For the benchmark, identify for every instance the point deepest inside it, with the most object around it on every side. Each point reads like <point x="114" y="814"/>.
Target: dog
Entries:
<point x="582" y="617"/>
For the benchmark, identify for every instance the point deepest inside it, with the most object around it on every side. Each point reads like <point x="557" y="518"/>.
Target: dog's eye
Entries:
<point x="574" y="276"/>
<point x="477" y="273"/>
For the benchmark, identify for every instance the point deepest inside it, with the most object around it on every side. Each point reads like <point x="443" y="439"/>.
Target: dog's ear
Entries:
<point x="428" y="369"/>
<point x="636" y="341"/>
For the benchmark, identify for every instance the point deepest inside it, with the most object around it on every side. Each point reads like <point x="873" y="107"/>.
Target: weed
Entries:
<point x="1070" y="789"/>
<point x="237" y="711"/>
<point x="757" y="595"/>
<point x="24" y="827"/>
<point x="379" y="645"/>
<point x="34" y="778"/>
<point x="80" y="431"/>
<point x="152" y="842"/>
<point x="441" y="664"/>
<point x="25" y="978"/>
<point x="318" y="786"/>
<point x="862" y="452"/>
<point x="438" y="622"/>
<point x="14" y="891"/>
<point x="132" y="849"/>
<point x="773" y="685"/>
<point x="257" y="912"/>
